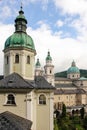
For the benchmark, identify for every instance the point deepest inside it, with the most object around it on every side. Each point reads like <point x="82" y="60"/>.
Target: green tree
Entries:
<point x="82" y="112"/>
<point x="85" y="122"/>
<point x="64" y="110"/>
<point x="55" y="125"/>
<point x="73" y="112"/>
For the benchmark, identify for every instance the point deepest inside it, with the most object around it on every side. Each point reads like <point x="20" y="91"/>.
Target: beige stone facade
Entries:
<point x="19" y="108"/>
<point x="22" y="67"/>
<point x="73" y="93"/>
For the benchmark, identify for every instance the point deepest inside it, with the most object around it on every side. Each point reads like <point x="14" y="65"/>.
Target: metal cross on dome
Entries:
<point x="21" y="5"/>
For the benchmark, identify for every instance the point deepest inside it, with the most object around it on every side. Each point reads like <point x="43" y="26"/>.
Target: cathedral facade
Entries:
<point x="71" y="91"/>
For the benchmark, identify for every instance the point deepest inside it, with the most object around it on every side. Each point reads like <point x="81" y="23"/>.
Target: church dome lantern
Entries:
<point x="38" y="63"/>
<point x="73" y="71"/>
<point x="48" y="58"/>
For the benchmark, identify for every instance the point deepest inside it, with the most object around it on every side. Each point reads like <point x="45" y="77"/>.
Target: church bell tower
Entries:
<point x="49" y="69"/>
<point x="19" y="50"/>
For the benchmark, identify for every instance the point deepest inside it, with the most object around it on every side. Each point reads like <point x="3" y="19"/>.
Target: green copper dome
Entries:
<point x="38" y="63"/>
<point x="48" y="57"/>
<point x="19" y="39"/>
<point x="73" y="69"/>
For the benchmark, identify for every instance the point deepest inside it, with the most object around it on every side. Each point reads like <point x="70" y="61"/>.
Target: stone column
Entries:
<point x="51" y="111"/>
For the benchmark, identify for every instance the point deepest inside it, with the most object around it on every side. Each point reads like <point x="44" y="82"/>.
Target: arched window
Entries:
<point x="17" y="58"/>
<point x="28" y="59"/>
<point x="11" y="99"/>
<point x="42" y="99"/>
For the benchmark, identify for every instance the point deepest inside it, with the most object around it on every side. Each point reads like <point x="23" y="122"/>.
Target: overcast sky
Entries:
<point x="59" y="26"/>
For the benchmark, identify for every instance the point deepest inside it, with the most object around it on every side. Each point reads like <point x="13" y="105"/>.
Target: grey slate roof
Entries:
<point x="1" y="77"/>
<point x="41" y="83"/>
<point x="69" y="91"/>
<point x="63" y="85"/>
<point x="14" y="80"/>
<point x="10" y="121"/>
<point x="62" y="79"/>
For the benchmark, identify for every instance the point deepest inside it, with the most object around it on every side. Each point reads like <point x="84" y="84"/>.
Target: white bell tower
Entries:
<point x="49" y="69"/>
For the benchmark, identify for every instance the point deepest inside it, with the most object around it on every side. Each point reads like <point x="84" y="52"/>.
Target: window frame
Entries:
<point x="42" y="99"/>
<point x="10" y="101"/>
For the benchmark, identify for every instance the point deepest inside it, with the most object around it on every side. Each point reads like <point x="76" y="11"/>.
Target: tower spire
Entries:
<point x="20" y="21"/>
<point x="21" y="5"/>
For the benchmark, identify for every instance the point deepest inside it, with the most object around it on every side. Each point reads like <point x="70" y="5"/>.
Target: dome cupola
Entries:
<point x="73" y="68"/>
<point x="20" y="38"/>
<point x="48" y="58"/>
<point x="38" y="63"/>
<point x="73" y="72"/>
<point x="38" y="69"/>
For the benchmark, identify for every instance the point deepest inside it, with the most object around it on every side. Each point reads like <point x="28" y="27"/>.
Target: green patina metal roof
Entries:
<point x="73" y="69"/>
<point x="83" y="78"/>
<point x="21" y="16"/>
<point x="19" y="39"/>
<point x="48" y="57"/>
<point x="38" y="63"/>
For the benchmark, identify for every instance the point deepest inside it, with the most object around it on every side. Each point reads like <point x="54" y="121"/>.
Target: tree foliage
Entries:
<point x="63" y="110"/>
<point x="74" y="121"/>
<point x="85" y="122"/>
<point x="82" y="112"/>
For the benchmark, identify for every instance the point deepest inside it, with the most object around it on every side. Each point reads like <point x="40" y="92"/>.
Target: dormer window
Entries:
<point x="10" y="81"/>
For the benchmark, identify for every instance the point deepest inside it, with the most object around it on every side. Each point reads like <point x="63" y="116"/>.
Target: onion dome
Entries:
<point x="38" y="63"/>
<point x="73" y="69"/>
<point x="48" y="58"/>
<point x="20" y="38"/>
